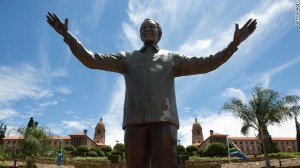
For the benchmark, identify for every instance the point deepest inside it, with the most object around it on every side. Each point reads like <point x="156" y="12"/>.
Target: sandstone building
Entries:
<point x="249" y="145"/>
<point x="76" y="139"/>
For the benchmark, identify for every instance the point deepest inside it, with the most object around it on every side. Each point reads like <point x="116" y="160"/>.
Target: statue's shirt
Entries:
<point x="149" y="75"/>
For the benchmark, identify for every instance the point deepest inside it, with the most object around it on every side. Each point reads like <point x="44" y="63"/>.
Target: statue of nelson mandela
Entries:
<point x="150" y="116"/>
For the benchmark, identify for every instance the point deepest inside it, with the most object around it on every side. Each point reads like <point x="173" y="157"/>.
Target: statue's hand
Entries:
<point x="242" y="34"/>
<point x="57" y="24"/>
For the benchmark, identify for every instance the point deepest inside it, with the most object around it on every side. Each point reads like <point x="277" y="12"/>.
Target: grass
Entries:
<point x="3" y="164"/>
<point x="89" y="158"/>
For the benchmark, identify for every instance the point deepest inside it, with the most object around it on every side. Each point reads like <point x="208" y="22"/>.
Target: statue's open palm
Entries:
<point x="242" y="34"/>
<point x="57" y="24"/>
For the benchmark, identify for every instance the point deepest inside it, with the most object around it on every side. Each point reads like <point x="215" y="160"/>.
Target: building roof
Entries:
<point x="255" y="138"/>
<point x="12" y="138"/>
<point x="61" y="137"/>
<point x="52" y="137"/>
<point x="78" y="134"/>
<point x="218" y="135"/>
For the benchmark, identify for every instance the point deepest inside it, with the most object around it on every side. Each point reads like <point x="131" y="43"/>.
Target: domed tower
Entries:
<point x="99" y="136"/>
<point x="197" y="135"/>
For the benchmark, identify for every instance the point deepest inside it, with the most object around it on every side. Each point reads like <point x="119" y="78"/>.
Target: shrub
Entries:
<point x="106" y="148"/>
<point x="122" y="154"/>
<point x="191" y="148"/>
<point x="83" y="149"/>
<point x="107" y="154"/>
<point x="101" y="154"/>
<point x="114" y="158"/>
<point x="98" y="151"/>
<point x="216" y="149"/>
<point x="201" y="151"/>
<point x="92" y="154"/>
<point x="119" y="147"/>
<point x="180" y="149"/>
<point x="69" y="148"/>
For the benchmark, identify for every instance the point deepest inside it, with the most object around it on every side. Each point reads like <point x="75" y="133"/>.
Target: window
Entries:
<point x="241" y="142"/>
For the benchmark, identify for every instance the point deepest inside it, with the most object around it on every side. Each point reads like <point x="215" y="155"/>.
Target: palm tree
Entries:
<point x="267" y="107"/>
<point x="297" y="133"/>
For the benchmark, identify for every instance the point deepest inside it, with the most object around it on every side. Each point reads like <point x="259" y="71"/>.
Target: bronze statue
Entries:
<point x="150" y="116"/>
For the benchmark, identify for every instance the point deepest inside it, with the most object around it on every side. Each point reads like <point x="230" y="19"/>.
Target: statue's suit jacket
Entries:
<point x="149" y="76"/>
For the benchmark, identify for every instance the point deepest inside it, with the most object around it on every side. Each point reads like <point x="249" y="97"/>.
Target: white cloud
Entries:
<point x="113" y="119"/>
<point x="20" y="82"/>
<point x="95" y="14"/>
<point x="49" y="103"/>
<point x="197" y="47"/>
<point x="63" y="89"/>
<point x="185" y="130"/>
<point x="232" y="92"/>
<point x="131" y="33"/>
<point x="25" y="81"/>
<point x="265" y="78"/>
<point x="74" y="125"/>
<point x="71" y="126"/>
<point x="61" y="72"/>
<point x="70" y="112"/>
<point x="7" y="113"/>
<point x="226" y="123"/>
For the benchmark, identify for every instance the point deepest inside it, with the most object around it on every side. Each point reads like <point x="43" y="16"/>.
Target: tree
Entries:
<point x="298" y="133"/>
<point x="34" y="144"/>
<point x="32" y="123"/>
<point x="267" y="107"/>
<point x="2" y="132"/>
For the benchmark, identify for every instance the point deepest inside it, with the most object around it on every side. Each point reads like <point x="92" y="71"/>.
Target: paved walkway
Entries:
<point x="258" y="164"/>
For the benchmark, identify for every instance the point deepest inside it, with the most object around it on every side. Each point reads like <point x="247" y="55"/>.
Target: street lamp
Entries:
<point x="178" y="142"/>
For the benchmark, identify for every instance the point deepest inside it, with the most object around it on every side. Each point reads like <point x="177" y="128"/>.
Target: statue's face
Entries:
<point x="149" y="32"/>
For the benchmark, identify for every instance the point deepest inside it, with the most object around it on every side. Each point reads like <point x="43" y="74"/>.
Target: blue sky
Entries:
<point x="40" y="78"/>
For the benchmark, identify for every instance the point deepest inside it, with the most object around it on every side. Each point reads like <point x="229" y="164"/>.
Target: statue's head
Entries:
<point x="150" y="32"/>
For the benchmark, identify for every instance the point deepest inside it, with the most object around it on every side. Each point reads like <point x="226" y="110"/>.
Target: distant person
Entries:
<point x="150" y="116"/>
